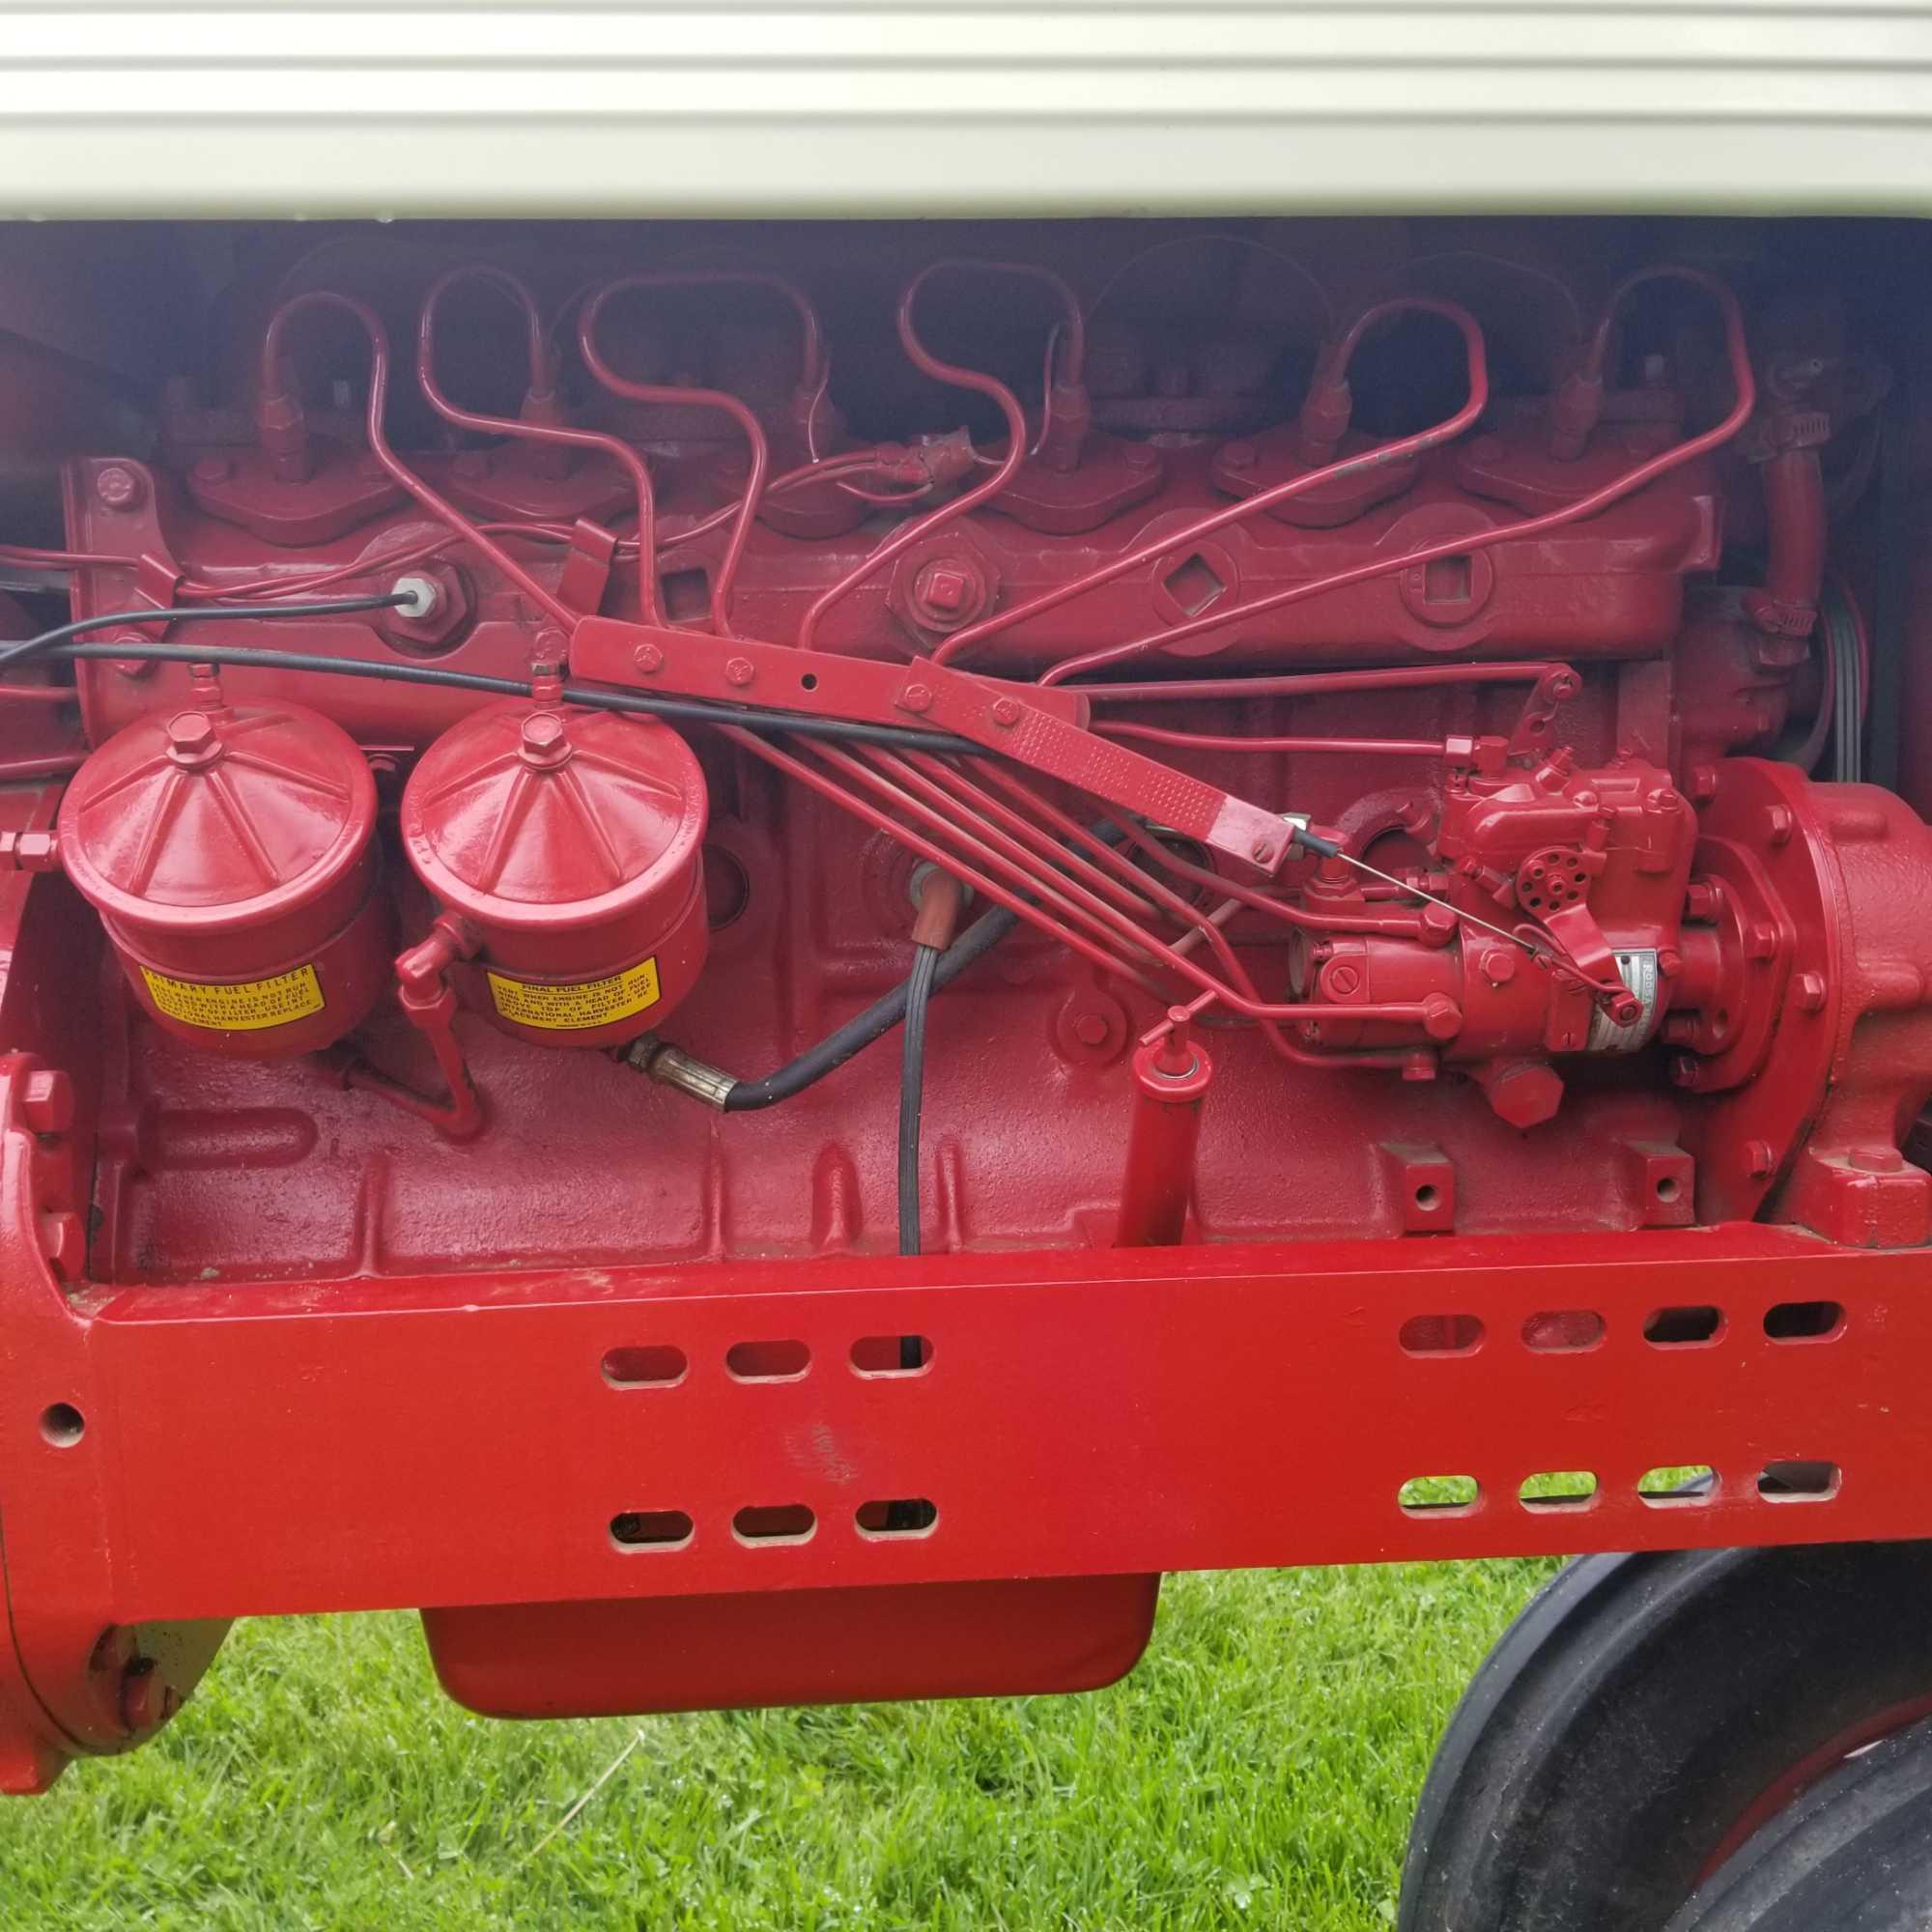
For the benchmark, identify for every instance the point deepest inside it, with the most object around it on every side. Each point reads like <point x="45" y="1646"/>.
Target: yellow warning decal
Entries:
<point x="239" y="1006"/>
<point x="571" y="1007"/>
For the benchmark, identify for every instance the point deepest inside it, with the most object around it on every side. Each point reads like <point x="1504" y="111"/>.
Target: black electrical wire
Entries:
<point x="148" y="614"/>
<point x="877" y="1020"/>
<point x="912" y="1091"/>
<point x="600" y="698"/>
<point x="843" y="1043"/>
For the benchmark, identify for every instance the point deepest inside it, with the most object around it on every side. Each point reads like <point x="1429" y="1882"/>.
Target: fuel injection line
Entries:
<point x="60" y="642"/>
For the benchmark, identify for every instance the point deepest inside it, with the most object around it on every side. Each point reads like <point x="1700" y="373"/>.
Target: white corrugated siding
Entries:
<point x="998" y="107"/>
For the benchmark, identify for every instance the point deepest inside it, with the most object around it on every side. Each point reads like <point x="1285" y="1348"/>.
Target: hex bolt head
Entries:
<point x="647" y="658"/>
<point x="1760" y="940"/>
<point x="1091" y="1029"/>
<point x="546" y="741"/>
<point x="1703" y="898"/>
<point x="1807" y="992"/>
<point x="1779" y="824"/>
<point x="1759" y="1159"/>
<point x="192" y="740"/>
<point x="1875" y="1157"/>
<point x="943" y="588"/>
<point x="739" y="672"/>
<point x="47" y="1101"/>
<point x="1526" y="1096"/>
<point x="118" y="487"/>
<point x="1687" y="1070"/>
<point x="1703" y="785"/>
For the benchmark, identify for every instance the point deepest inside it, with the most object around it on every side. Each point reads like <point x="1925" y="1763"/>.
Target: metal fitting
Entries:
<point x="117" y="486"/>
<point x="671" y="1067"/>
<point x="424" y="595"/>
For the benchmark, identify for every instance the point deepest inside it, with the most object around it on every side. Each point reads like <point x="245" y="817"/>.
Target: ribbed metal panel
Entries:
<point x="996" y="107"/>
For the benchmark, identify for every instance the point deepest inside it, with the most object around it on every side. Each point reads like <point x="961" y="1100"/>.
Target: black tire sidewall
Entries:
<point x="1635" y="1712"/>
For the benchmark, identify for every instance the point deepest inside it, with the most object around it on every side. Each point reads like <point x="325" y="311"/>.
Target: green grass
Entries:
<point x="1258" y="1768"/>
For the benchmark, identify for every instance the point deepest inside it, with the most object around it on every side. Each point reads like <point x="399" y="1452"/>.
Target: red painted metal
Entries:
<point x="1171" y="1073"/>
<point x="1562" y="1091"/>
<point x="539" y="418"/>
<point x="230" y="853"/>
<point x="1007" y="1636"/>
<point x="565" y="845"/>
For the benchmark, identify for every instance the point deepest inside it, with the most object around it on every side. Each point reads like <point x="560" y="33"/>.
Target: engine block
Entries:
<point x="794" y="757"/>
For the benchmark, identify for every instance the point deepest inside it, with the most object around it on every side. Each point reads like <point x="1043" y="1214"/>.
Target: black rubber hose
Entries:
<point x="878" y="1020"/>
<point x="912" y="1091"/>
<point x="691" y="710"/>
<point x="830" y="1053"/>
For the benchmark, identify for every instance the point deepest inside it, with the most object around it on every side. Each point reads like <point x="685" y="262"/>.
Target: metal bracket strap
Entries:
<point x="1044" y="729"/>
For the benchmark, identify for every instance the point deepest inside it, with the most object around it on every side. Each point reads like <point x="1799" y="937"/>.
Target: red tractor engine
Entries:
<point x="763" y="972"/>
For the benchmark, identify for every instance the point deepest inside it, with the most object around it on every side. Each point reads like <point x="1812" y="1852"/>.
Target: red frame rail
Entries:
<point x="364" y="1444"/>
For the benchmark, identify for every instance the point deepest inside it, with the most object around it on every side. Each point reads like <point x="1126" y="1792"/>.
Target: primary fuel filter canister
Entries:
<point x="569" y="840"/>
<point x="229" y="852"/>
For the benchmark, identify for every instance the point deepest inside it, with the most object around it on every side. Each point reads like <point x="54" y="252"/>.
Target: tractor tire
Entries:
<point x="1853" y="1854"/>
<point x="1645" y="1715"/>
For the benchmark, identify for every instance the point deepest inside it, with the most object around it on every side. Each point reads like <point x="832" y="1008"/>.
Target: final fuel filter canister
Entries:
<point x="568" y="841"/>
<point x="229" y="852"/>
